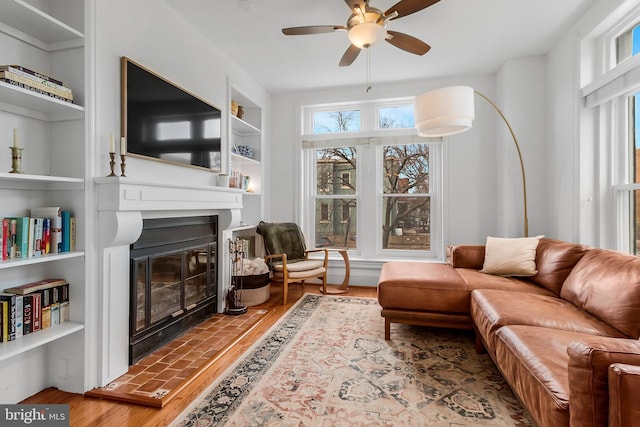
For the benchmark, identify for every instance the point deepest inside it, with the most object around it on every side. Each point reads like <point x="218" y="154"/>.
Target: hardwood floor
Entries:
<point x="92" y="412"/>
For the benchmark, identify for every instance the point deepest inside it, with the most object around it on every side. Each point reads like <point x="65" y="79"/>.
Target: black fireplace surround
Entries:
<point x="173" y="280"/>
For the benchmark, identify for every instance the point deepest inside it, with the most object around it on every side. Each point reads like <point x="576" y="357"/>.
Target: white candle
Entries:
<point x="112" y="144"/>
<point x="16" y="144"/>
<point x="123" y="146"/>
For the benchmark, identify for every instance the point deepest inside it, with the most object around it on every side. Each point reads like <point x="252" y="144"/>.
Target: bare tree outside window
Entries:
<point x="406" y="201"/>
<point x="336" y="186"/>
<point x="336" y="121"/>
<point x="406" y="205"/>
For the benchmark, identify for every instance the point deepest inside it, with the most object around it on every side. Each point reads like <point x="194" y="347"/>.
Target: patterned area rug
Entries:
<point x="326" y="363"/>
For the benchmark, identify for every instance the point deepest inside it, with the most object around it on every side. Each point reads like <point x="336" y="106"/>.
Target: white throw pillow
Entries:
<point x="511" y="256"/>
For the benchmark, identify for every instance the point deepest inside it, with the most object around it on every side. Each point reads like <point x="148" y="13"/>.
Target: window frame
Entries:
<point x="607" y="112"/>
<point x="369" y="166"/>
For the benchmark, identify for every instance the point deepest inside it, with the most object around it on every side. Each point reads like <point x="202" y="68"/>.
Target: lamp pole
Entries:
<point x="515" y="141"/>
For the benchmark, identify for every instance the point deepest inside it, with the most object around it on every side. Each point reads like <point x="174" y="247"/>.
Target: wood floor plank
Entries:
<point x="91" y="412"/>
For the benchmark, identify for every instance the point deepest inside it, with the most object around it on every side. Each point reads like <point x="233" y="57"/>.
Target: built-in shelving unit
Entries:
<point x="35" y="340"/>
<point x="39" y="182"/>
<point x="247" y="131"/>
<point x="54" y="159"/>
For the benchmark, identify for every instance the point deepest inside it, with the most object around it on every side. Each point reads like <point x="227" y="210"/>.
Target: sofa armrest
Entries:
<point x="624" y="389"/>
<point x="589" y="361"/>
<point x="466" y="256"/>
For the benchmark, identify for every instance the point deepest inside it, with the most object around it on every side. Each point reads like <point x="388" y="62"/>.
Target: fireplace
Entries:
<point x="173" y="280"/>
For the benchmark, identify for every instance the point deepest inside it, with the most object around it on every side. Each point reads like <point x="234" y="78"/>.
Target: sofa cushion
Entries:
<point x="534" y="361"/>
<point x="478" y="280"/>
<point x="422" y="286"/>
<point x="466" y="256"/>
<point x="606" y="284"/>
<point x="491" y="309"/>
<point x="510" y="257"/>
<point x="554" y="261"/>
<point x="438" y="287"/>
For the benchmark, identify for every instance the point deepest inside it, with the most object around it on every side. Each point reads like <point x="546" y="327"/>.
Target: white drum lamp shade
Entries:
<point x="444" y="111"/>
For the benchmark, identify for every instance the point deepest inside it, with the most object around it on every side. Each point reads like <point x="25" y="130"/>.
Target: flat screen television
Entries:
<point x="164" y="122"/>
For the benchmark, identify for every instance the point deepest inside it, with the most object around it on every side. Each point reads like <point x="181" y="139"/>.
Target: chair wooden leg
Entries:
<point x="285" y="291"/>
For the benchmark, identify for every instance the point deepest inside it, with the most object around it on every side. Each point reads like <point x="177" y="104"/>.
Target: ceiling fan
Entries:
<point x="368" y="24"/>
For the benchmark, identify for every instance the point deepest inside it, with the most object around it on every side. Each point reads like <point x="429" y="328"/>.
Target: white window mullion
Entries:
<point x="308" y="197"/>
<point x="366" y="203"/>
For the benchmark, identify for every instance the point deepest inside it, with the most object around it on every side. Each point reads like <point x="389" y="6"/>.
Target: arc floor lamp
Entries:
<point x="450" y="110"/>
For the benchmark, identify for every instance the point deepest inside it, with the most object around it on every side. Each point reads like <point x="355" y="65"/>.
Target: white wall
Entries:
<point x="521" y="95"/>
<point x="154" y="35"/>
<point x="151" y="33"/>
<point x="471" y="167"/>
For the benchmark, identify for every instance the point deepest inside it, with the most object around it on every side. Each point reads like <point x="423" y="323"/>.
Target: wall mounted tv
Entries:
<point x="163" y="121"/>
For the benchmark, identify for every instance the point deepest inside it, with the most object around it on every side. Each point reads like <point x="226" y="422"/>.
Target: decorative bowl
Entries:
<point x="246" y="151"/>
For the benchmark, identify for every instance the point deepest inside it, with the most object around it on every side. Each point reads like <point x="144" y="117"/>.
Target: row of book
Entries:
<point x="33" y="307"/>
<point x="49" y="230"/>
<point x="18" y="75"/>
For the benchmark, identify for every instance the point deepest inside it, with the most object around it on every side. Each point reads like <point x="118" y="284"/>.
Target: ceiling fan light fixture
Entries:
<point x="366" y="34"/>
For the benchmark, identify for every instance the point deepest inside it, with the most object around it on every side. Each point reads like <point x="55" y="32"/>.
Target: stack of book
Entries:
<point x="18" y="75"/>
<point x="49" y="230"/>
<point x="33" y="307"/>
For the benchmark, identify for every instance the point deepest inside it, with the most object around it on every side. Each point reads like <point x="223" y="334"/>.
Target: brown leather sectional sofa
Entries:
<point x="566" y="339"/>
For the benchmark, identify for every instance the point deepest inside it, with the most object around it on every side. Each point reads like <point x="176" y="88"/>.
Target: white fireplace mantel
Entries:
<point x="120" y="194"/>
<point x="122" y="206"/>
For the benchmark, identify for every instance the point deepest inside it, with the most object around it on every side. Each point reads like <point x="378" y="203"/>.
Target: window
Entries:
<point x="336" y="121"/>
<point x="374" y="190"/>
<point x="613" y="95"/>
<point x="406" y="200"/>
<point x="324" y="212"/>
<point x="628" y="43"/>
<point x="345" y="180"/>
<point x="632" y="187"/>
<point x="338" y="195"/>
<point x="395" y="117"/>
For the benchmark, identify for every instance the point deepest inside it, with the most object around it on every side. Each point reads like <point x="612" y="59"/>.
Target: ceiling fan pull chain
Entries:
<point x="368" y="70"/>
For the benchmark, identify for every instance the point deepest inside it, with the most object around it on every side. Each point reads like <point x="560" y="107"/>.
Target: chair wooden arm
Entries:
<point x="277" y="256"/>
<point x="326" y="255"/>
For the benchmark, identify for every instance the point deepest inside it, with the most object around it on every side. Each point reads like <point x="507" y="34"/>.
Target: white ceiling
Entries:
<point x="466" y="37"/>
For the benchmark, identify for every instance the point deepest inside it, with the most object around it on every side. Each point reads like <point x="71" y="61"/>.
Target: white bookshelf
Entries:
<point x="43" y="36"/>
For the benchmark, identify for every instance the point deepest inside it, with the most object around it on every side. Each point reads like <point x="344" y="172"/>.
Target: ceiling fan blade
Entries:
<point x="352" y="4"/>
<point x="407" y="7"/>
<point x="317" y="29"/>
<point x="349" y="56"/>
<point x="408" y="43"/>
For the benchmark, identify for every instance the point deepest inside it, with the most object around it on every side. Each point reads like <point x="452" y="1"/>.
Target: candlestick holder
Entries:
<point x="123" y="165"/>
<point x="16" y="160"/>
<point x="112" y="164"/>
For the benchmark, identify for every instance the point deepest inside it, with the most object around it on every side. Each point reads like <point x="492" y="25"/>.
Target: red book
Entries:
<point x="36" y="311"/>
